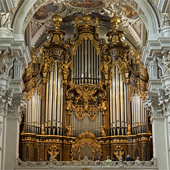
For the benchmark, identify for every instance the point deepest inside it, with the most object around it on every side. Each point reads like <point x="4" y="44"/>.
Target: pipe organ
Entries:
<point x="85" y="96"/>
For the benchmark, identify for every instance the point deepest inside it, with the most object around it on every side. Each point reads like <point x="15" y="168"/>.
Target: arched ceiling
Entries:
<point x="133" y="12"/>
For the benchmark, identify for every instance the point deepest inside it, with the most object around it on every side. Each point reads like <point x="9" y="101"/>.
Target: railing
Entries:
<point x="87" y="163"/>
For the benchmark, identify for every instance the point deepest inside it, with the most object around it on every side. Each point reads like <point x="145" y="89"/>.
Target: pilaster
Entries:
<point x="5" y="102"/>
<point x="13" y="129"/>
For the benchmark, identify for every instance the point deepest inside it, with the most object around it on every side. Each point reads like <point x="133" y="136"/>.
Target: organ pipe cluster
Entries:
<point x="86" y="62"/>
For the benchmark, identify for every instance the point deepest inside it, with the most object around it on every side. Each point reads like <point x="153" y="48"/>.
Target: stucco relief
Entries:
<point x="4" y="62"/>
<point x="166" y="61"/>
<point x="165" y="21"/>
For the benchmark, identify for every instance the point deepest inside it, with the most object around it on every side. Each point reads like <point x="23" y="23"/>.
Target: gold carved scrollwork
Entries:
<point x="69" y="130"/>
<point x="90" y="140"/>
<point x="53" y="151"/>
<point x="85" y="99"/>
<point x="119" y="151"/>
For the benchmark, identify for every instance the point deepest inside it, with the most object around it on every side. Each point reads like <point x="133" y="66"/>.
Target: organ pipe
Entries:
<point x="114" y="103"/>
<point x="58" y="105"/>
<point x="61" y="112"/>
<point x="125" y="107"/>
<point x="117" y="98"/>
<point x="50" y="99"/>
<point x="111" y="111"/>
<point x="47" y="97"/>
<point x="54" y="94"/>
<point x="121" y="101"/>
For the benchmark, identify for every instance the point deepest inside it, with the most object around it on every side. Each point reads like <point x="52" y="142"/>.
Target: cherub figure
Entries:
<point x="102" y="131"/>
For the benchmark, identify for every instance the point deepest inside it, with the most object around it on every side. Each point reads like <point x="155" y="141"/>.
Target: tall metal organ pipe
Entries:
<point x="33" y="114"/>
<point x="53" y="118"/>
<point x="118" y="104"/>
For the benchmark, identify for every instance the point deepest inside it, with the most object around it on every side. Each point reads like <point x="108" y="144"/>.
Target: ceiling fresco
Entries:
<point x="71" y="9"/>
<point x="86" y="3"/>
<point x="43" y="11"/>
<point x="93" y="15"/>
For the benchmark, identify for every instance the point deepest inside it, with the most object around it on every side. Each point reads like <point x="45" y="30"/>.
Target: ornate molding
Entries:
<point x="87" y="163"/>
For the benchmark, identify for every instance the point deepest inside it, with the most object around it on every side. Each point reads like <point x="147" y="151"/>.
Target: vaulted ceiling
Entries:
<point x="133" y="25"/>
<point x="38" y="20"/>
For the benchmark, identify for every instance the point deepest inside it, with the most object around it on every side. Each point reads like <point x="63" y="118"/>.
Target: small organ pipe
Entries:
<point x="136" y="110"/>
<point x="92" y="73"/>
<point x="82" y="61"/>
<point x="125" y="108"/>
<point x="143" y="114"/>
<point x="54" y="94"/>
<point x="133" y="111"/>
<point x="139" y="111"/>
<point x="37" y="105"/>
<point x="121" y="101"/>
<point x="117" y="98"/>
<point x="29" y="115"/>
<point x="58" y="105"/>
<point x="76" y="65"/>
<point x="94" y="65"/>
<point x="114" y="99"/>
<point x="61" y="112"/>
<point x="50" y="99"/>
<point x="85" y="62"/>
<point x="80" y="64"/>
<point x="47" y="96"/>
<point x="111" y="112"/>
<point x="89" y="54"/>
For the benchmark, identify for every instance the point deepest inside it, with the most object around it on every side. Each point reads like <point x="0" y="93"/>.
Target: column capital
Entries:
<point x="19" y="105"/>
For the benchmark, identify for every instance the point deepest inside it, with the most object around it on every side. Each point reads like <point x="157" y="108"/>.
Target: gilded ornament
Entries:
<point x="105" y="67"/>
<point x="103" y="134"/>
<point x="53" y="151"/>
<point x="115" y="20"/>
<point x="69" y="130"/>
<point x="118" y="151"/>
<point x="65" y="65"/>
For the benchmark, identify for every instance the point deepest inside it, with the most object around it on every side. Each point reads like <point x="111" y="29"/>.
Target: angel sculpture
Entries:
<point x="65" y="67"/>
<point x="105" y="67"/>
